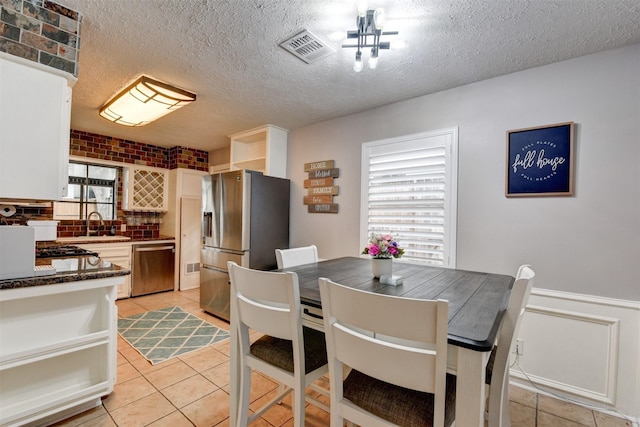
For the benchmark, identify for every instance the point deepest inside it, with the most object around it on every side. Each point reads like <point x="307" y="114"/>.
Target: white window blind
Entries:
<point x="408" y="193"/>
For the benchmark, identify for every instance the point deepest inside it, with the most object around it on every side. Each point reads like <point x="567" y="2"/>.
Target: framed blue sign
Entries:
<point x="540" y="161"/>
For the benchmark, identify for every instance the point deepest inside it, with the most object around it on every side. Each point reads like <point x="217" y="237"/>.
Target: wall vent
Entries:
<point x="307" y="47"/>
<point x="193" y="267"/>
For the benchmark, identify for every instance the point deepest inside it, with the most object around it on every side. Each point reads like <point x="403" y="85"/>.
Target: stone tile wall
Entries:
<point x="41" y="31"/>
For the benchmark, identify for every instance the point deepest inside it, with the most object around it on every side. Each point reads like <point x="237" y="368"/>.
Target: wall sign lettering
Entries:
<point x="540" y="161"/>
<point x="320" y="186"/>
<point x="325" y="164"/>
<point x="328" y="208"/>
<point x="324" y="173"/>
<point x="320" y="182"/>
<point x="317" y="200"/>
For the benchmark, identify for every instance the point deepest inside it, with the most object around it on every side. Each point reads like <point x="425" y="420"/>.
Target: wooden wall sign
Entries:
<point x="329" y="208"/>
<point x="323" y="190"/>
<point x="325" y="164"/>
<point x="324" y="173"/>
<point x="320" y="186"/>
<point x="319" y="182"/>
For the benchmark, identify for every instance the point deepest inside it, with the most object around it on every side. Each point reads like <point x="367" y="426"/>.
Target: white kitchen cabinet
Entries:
<point x="145" y="189"/>
<point x="118" y="254"/>
<point x="35" y="114"/>
<point x="261" y="149"/>
<point x="58" y="349"/>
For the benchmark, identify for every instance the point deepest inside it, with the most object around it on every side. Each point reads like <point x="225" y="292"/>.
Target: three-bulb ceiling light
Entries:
<point x="144" y="101"/>
<point x="370" y="23"/>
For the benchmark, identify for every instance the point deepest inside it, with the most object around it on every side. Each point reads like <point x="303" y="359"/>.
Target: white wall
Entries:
<point x="587" y="245"/>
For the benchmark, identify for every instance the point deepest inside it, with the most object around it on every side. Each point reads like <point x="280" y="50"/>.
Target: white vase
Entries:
<point x="381" y="266"/>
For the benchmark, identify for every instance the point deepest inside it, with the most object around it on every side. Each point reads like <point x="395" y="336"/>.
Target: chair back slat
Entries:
<point x="296" y="256"/>
<point x="270" y="320"/>
<point x="367" y="311"/>
<point x="386" y="361"/>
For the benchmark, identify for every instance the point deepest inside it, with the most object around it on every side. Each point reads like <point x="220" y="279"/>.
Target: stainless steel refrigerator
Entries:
<point x="245" y="218"/>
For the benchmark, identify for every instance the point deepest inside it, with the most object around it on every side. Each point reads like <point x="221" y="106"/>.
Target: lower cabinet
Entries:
<point x="58" y="350"/>
<point x="118" y="254"/>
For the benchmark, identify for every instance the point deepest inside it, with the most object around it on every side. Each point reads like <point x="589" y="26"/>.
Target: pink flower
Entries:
<point x="374" y="250"/>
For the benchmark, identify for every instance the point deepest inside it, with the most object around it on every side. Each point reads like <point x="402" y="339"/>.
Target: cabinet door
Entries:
<point x="119" y="255"/>
<point x="35" y="111"/>
<point x="190" y="243"/>
<point x="145" y="189"/>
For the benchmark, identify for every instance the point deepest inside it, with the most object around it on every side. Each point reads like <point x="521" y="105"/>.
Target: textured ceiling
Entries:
<point x="227" y="52"/>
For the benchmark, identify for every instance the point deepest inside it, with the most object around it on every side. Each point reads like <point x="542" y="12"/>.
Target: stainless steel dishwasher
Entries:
<point x="152" y="268"/>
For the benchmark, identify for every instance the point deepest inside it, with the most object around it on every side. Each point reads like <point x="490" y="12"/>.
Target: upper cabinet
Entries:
<point x="261" y="149"/>
<point x="35" y="117"/>
<point x="145" y="189"/>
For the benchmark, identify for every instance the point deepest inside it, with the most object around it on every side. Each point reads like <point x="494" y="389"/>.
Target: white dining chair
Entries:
<point x="295" y="356"/>
<point x="396" y="350"/>
<point x="296" y="256"/>
<point x="498" y="365"/>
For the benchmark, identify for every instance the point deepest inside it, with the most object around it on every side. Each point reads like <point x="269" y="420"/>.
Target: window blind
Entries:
<point x="407" y="197"/>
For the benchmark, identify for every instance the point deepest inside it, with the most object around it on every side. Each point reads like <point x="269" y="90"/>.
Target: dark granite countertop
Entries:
<point x="81" y="240"/>
<point x="70" y="269"/>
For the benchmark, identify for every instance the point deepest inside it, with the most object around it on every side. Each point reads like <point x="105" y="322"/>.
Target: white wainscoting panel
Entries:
<point x="583" y="347"/>
<point x="564" y="340"/>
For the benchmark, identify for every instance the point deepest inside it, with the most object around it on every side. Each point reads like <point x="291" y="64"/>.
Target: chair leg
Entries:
<point x="505" y="416"/>
<point x="499" y="404"/>
<point x="281" y="389"/>
<point x="243" y="405"/>
<point x="299" y="403"/>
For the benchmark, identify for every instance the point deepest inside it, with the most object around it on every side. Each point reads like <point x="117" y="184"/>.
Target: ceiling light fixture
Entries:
<point x="370" y="23"/>
<point x="144" y="101"/>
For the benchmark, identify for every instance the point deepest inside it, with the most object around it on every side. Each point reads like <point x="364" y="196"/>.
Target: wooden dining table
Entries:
<point x="477" y="303"/>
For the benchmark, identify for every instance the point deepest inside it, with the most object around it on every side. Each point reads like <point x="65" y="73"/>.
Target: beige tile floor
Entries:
<point x="194" y="389"/>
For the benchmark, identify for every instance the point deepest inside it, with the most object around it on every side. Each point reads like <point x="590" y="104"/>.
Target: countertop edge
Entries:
<point x="111" y="270"/>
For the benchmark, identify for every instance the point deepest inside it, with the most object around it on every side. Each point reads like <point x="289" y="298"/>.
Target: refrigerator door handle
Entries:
<point x="207" y="221"/>
<point x="222" y="208"/>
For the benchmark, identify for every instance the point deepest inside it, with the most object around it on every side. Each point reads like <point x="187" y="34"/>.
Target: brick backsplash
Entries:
<point x="103" y="147"/>
<point x="41" y="31"/>
<point x="188" y="158"/>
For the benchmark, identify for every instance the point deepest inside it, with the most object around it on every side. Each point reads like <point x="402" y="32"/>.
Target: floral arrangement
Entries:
<point x="383" y="246"/>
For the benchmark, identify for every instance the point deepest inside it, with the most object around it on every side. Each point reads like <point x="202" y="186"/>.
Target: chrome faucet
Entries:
<point x="97" y="230"/>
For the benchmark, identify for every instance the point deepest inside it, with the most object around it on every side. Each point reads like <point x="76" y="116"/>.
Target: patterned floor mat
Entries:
<point x="170" y="332"/>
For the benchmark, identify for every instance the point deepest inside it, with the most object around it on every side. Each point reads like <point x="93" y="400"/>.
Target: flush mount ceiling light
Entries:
<point x="370" y="23"/>
<point x="144" y="101"/>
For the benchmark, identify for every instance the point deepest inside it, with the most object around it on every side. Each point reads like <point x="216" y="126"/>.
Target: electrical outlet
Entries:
<point x="520" y="347"/>
<point x="123" y="227"/>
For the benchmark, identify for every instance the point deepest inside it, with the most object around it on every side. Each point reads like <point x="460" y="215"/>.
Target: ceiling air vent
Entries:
<point x="307" y="47"/>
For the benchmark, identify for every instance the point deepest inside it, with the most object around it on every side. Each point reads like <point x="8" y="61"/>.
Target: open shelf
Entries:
<point x="58" y="352"/>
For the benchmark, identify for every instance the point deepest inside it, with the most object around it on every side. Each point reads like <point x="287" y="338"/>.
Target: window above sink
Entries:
<point x="92" y="188"/>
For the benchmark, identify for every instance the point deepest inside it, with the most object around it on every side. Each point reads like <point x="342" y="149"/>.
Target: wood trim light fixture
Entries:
<point x="369" y="23"/>
<point x="144" y="101"/>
